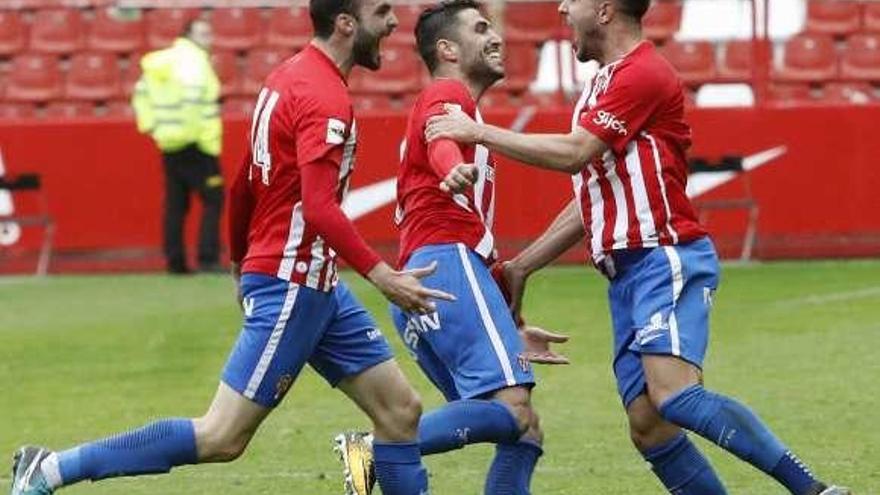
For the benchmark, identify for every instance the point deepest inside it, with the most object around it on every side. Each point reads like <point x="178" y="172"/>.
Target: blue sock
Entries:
<point x="683" y="469"/>
<point x="155" y="448"/>
<point x="464" y="422"/>
<point x="735" y="428"/>
<point x="512" y="468"/>
<point x="399" y="468"/>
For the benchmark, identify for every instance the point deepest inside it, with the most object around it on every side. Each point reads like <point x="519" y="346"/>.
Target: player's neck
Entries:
<point x="341" y="56"/>
<point x="619" y="43"/>
<point x="475" y="89"/>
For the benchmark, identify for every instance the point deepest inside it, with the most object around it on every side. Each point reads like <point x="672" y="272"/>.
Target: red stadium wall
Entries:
<point x="818" y="199"/>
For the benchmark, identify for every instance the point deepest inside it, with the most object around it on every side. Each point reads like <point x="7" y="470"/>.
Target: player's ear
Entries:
<point x="346" y="24"/>
<point x="607" y="10"/>
<point x="447" y="51"/>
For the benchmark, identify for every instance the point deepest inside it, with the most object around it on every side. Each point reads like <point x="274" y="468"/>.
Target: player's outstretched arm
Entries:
<point x="567" y="153"/>
<point x="566" y="230"/>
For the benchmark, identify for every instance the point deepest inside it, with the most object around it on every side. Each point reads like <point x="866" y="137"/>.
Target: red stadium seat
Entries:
<point x="861" y="58"/>
<point x="34" y="78"/>
<point x="694" y="60"/>
<point x="289" y="28"/>
<point x="10" y="110"/>
<point x="401" y="72"/>
<point x="13" y="33"/>
<point x="93" y="77"/>
<point x="110" y="32"/>
<point x="871" y="22"/>
<point x="407" y="17"/>
<point x="238" y="107"/>
<point x="662" y="20"/>
<point x="521" y="66"/>
<point x="237" y="28"/>
<point x="535" y="22"/>
<point x="808" y="58"/>
<point x="57" y="31"/>
<point x="164" y="25"/>
<point x="69" y="110"/>
<point x="119" y="109"/>
<point x="736" y="63"/>
<point x="834" y="17"/>
<point x="852" y="93"/>
<point x="258" y="65"/>
<point x="371" y="103"/>
<point x="130" y="76"/>
<point x="228" y="71"/>
<point x="791" y="94"/>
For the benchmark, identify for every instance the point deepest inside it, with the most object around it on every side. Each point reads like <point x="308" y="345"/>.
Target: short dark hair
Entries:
<point x="634" y="8"/>
<point x="435" y="23"/>
<point x="325" y="12"/>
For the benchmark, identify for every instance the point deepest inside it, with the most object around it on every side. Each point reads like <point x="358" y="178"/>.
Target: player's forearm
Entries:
<point x="565" y="231"/>
<point x="559" y="152"/>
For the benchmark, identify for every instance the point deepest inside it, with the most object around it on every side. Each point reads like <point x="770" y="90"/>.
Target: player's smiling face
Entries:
<point x="482" y="53"/>
<point x="585" y="18"/>
<point x="375" y="22"/>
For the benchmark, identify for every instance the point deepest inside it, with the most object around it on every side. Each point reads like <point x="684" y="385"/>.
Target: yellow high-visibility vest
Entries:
<point x="176" y="99"/>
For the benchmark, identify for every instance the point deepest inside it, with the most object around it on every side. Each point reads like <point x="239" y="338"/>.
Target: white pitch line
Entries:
<point x="818" y="299"/>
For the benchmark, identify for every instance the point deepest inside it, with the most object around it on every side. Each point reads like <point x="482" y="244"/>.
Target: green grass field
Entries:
<point x="82" y="357"/>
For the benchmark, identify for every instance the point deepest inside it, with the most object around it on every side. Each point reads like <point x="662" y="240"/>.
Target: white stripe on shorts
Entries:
<point x="488" y="323"/>
<point x="677" y="286"/>
<point x="272" y="346"/>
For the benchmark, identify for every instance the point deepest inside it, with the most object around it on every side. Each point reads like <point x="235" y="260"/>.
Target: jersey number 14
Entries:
<point x="262" y="157"/>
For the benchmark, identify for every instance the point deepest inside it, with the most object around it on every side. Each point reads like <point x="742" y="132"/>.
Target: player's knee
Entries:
<point x="535" y="433"/>
<point x="400" y="421"/>
<point x="647" y="428"/>
<point x="216" y="442"/>
<point x="518" y="399"/>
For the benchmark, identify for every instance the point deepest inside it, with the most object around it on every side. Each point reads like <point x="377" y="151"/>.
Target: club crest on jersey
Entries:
<point x="335" y="131"/>
<point x="608" y="120"/>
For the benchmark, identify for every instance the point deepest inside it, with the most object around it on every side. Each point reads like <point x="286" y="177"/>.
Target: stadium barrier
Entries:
<point x="812" y="172"/>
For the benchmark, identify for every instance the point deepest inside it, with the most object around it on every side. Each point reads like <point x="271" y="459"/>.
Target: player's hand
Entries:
<point x="455" y="125"/>
<point x="461" y="177"/>
<point x="537" y="345"/>
<point x="404" y="288"/>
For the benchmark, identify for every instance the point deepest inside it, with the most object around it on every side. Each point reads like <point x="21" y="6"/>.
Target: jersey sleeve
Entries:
<point x="622" y="111"/>
<point x="241" y="207"/>
<point x="443" y="155"/>
<point x="324" y="124"/>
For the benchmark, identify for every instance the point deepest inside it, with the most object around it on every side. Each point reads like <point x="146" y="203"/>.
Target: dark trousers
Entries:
<point x="186" y="171"/>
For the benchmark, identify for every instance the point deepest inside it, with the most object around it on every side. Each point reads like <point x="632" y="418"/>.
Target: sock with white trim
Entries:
<point x="735" y="428"/>
<point x="464" y="422"/>
<point x="155" y="448"/>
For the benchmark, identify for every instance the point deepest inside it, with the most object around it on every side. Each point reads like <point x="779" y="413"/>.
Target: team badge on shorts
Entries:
<point x="524" y="364"/>
<point x="283" y="385"/>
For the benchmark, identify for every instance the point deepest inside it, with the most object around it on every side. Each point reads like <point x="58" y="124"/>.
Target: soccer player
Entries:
<point x="286" y="228"/>
<point x="470" y="350"/>
<point x="626" y="153"/>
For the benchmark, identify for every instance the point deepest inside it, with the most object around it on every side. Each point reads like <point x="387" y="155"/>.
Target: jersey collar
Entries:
<point x="313" y="51"/>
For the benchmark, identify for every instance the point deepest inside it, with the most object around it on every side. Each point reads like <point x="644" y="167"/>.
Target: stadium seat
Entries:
<point x="371" y="103"/>
<point x="110" y="31"/>
<point x="69" y="110"/>
<point x="13" y="33"/>
<point x="521" y="64"/>
<point x="57" y="31"/>
<point x="837" y="17"/>
<point x="694" y="60"/>
<point x="535" y="22"/>
<point x="407" y="17"/>
<point x="808" y="58"/>
<point x="93" y="77"/>
<point x="289" y="28"/>
<point x="227" y="69"/>
<point x="849" y="93"/>
<point x="258" y="64"/>
<point x="237" y="107"/>
<point x="871" y="22"/>
<point x="400" y="74"/>
<point x="237" y="28"/>
<point x="10" y="110"/>
<point x="119" y="109"/>
<point x="735" y="64"/>
<point x="662" y="20"/>
<point x="791" y="94"/>
<point x="34" y="77"/>
<point x="860" y="60"/>
<point x="164" y="25"/>
<point x="129" y="77"/>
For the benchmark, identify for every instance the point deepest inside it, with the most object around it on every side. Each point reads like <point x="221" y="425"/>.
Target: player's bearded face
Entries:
<point x="481" y="47"/>
<point x="366" y="48"/>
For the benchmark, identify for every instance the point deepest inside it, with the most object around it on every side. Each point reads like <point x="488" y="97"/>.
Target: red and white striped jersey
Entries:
<point x="633" y="196"/>
<point x="303" y="115"/>
<point x="425" y="214"/>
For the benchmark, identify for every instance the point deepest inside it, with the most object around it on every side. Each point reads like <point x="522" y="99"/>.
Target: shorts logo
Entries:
<point x="374" y="334"/>
<point x="335" y="131"/>
<point x="417" y="325"/>
<point x="283" y="385"/>
<point x="608" y="120"/>
<point x="653" y="330"/>
<point x="247" y="304"/>
<point x="708" y="296"/>
<point x="524" y="364"/>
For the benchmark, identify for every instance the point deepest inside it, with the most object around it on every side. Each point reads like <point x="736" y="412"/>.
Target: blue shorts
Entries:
<point x="287" y="325"/>
<point x="469" y="347"/>
<point x="660" y="301"/>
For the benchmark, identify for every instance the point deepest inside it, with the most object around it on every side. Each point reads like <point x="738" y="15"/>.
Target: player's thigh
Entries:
<point x="228" y="425"/>
<point x="672" y="294"/>
<point x="283" y="324"/>
<point x="384" y="394"/>
<point x="474" y="337"/>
